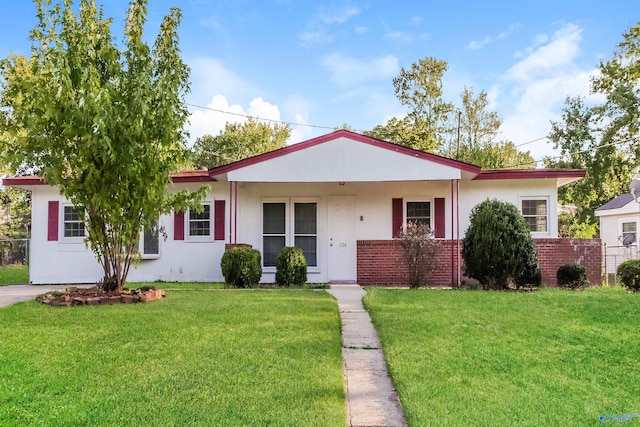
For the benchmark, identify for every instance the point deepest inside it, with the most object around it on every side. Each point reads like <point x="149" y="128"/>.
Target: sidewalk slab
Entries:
<point x="371" y="399"/>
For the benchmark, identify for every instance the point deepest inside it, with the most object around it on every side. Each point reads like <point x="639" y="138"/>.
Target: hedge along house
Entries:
<point x="341" y="197"/>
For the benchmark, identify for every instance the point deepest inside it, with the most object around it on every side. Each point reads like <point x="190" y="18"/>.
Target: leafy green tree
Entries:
<point x="475" y="139"/>
<point x="102" y="121"/>
<point x="497" y="248"/>
<point x="603" y="139"/>
<point x="427" y="121"/>
<point x="239" y="141"/>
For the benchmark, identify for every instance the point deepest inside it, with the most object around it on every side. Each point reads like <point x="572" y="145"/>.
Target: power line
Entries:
<point x="575" y="153"/>
<point x="532" y="141"/>
<point x="266" y="120"/>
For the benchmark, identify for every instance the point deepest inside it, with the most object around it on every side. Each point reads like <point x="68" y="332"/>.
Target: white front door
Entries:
<point x="342" y="239"/>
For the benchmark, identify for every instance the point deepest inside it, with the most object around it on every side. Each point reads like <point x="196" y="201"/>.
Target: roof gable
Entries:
<point x="343" y="156"/>
<point x="616" y="203"/>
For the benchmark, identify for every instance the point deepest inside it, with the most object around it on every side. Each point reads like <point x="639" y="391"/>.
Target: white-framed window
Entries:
<point x="418" y="212"/>
<point x="305" y="230"/>
<point x="200" y="224"/>
<point x="149" y="245"/>
<point x="535" y="211"/>
<point x="628" y="232"/>
<point x="72" y="225"/>
<point x="274" y="231"/>
<point x="289" y="222"/>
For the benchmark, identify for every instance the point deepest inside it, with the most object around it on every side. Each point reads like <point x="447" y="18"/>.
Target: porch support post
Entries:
<point x="230" y="209"/>
<point x="458" y="231"/>
<point x="452" y="242"/>
<point x="235" y="215"/>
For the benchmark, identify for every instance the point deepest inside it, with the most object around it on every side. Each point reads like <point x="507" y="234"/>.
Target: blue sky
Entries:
<point x="328" y="63"/>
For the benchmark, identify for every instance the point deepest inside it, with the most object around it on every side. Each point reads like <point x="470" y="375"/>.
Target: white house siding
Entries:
<point x="610" y="233"/>
<point x="512" y="191"/>
<point x="62" y="262"/>
<point x="373" y="207"/>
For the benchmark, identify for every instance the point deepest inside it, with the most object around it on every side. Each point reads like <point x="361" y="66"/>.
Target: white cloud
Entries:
<point x="559" y="52"/>
<point x="537" y="85"/>
<point x="213" y="119"/>
<point x="317" y="28"/>
<point x="210" y="22"/>
<point x="399" y="36"/>
<point x="209" y="76"/>
<point x="333" y="14"/>
<point x="479" y="44"/>
<point x="416" y="20"/>
<point x="362" y="29"/>
<point x="351" y="71"/>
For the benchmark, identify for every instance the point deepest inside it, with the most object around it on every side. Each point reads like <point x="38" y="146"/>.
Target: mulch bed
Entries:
<point x="95" y="296"/>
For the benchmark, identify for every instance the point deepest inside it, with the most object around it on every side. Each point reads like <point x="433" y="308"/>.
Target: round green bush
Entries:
<point x="572" y="276"/>
<point x="497" y="248"/>
<point x="241" y="267"/>
<point x="291" y="267"/>
<point x="629" y="274"/>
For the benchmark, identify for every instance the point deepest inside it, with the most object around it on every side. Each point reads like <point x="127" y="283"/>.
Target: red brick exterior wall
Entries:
<point x="378" y="261"/>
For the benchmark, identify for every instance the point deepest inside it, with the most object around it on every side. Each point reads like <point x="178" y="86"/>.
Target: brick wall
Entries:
<point x="378" y="261"/>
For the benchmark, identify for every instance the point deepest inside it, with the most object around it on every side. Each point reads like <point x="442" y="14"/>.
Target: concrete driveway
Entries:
<point x="17" y="293"/>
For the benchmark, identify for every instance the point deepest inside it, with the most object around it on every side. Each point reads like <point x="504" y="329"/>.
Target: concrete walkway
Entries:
<point x="372" y="400"/>
<point x="12" y="294"/>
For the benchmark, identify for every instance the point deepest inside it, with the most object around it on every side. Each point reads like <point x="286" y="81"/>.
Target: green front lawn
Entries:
<point x="551" y="357"/>
<point x="210" y="358"/>
<point x="14" y="274"/>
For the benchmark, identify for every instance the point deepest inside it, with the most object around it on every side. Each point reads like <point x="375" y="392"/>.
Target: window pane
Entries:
<point x="628" y="227"/>
<point x="535" y="213"/>
<point x="305" y="218"/>
<point x="200" y="223"/>
<point x="71" y="214"/>
<point x="199" y="228"/>
<point x="419" y="213"/>
<point x="151" y="241"/>
<point x="204" y="215"/>
<point x="271" y="246"/>
<point x="308" y="246"/>
<point x="273" y="218"/>
<point x="74" y="229"/>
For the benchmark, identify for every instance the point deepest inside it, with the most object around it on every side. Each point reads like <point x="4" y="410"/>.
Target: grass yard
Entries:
<point x="209" y="358"/>
<point x="14" y="274"/>
<point x="551" y="357"/>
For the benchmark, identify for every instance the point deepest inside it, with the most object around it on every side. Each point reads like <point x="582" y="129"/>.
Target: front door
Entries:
<point x="342" y="239"/>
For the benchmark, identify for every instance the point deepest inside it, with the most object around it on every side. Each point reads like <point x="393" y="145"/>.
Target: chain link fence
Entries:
<point x="14" y="251"/>
<point x="614" y="255"/>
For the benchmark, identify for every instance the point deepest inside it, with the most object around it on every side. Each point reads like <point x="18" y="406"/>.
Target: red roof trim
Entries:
<point x="530" y="174"/>
<point x="179" y="178"/>
<point x="346" y="134"/>
<point x="23" y="180"/>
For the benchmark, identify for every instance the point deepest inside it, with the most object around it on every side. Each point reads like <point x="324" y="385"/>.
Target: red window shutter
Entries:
<point x="52" y="222"/>
<point x="396" y="217"/>
<point x="439" y="221"/>
<point x="178" y="225"/>
<point x="218" y="219"/>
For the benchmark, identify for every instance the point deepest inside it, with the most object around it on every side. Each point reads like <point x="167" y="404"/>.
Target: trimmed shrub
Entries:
<point x="629" y="274"/>
<point x="291" y="267"/>
<point x="419" y="252"/>
<point x="241" y="267"/>
<point x="497" y="249"/>
<point x="572" y="276"/>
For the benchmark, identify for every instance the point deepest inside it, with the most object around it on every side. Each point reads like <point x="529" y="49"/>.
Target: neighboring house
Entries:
<point x="619" y="226"/>
<point x="340" y="197"/>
